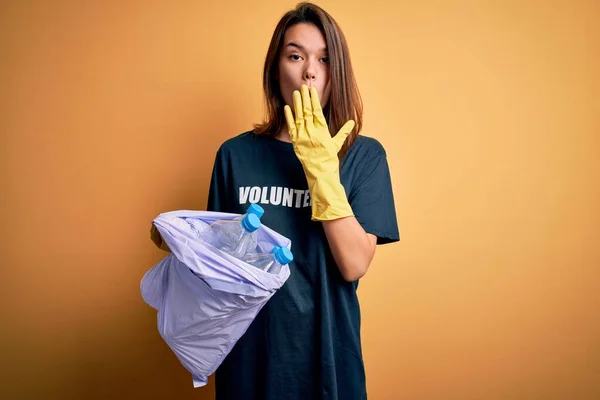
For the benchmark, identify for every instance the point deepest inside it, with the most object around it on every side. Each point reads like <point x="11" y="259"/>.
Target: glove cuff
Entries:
<point x="329" y="200"/>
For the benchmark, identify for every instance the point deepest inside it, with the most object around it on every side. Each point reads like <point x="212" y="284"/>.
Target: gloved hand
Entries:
<point x="318" y="153"/>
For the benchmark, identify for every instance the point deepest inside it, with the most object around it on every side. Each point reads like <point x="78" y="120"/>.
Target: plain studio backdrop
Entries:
<point x="112" y="112"/>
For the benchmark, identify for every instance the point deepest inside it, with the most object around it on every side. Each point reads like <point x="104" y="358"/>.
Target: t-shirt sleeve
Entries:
<point x="218" y="193"/>
<point x="372" y="201"/>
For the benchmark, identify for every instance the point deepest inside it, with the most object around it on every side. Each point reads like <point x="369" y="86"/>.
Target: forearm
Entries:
<point x="353" y="248"/>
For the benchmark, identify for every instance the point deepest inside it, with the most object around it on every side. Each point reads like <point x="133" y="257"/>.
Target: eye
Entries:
<point x="325" y="60"/>
<point x="295" y="57"/>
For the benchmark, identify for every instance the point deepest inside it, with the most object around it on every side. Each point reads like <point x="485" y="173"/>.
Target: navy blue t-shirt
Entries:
<point x="305" y="342"/>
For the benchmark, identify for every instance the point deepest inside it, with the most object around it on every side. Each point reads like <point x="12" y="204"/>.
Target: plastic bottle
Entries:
<point x="252" y="209"/>
<point x="270" y="262"/>
<point x="256" y="210"/>
<point x="235" y="237"/>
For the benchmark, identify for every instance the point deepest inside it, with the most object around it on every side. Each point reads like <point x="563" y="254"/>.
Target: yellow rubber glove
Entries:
<point x="318" y="153"/>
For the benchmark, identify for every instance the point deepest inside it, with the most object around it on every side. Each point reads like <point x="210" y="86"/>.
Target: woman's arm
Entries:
<point x="352" y="247"/>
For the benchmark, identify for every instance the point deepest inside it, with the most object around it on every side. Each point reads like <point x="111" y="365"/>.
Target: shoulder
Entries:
<point x="240" y="141"/>
<point x="241" y="145"/>
<point x="365" y="149"/>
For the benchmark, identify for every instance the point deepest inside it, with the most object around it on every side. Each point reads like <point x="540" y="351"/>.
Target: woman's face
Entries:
<point x="304" y="60"/>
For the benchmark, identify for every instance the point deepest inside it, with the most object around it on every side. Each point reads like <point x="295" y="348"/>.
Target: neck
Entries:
<point x="284" y="135"/>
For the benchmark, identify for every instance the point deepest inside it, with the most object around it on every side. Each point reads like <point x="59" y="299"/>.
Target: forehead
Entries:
<point x="306" y="35"/>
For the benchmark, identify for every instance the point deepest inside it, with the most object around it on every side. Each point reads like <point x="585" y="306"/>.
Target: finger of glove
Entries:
<point x="299" y="114"/>
<point x="342" y="134"/>
<point x="316" y="107"/>
<point x="307" y="107"/>
<point x="289" y="118"/>
<point x="297" y="99"/>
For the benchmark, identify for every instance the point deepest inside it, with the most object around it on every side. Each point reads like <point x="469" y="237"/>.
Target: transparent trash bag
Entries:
<point x="205" y="298"/>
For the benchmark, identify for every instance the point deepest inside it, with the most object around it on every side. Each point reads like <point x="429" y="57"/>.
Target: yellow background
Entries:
<point x="112" y="111"/>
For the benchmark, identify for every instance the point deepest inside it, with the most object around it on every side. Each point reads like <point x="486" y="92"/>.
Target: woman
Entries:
<point x="328" y="190"/>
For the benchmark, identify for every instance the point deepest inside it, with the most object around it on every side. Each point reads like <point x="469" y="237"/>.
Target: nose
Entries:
<point x="310" y="74"/>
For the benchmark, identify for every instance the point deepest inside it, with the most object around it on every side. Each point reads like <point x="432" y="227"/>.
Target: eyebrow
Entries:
<point x="300" y="47"/>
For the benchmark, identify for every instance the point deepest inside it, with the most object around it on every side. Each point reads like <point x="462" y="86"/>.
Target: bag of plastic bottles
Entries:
<point x="206" y="298"/>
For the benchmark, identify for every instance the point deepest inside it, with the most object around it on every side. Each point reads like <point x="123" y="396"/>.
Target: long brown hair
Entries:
<point x="344" y="103"/>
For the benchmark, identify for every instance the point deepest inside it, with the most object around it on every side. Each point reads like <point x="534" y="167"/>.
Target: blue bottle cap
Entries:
<point x="256" y="210"/>
<point x="283" y="255"/>
<point x="251" y="222"/>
